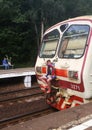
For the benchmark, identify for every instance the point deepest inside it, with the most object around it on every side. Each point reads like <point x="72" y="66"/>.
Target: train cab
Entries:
<point x="68" y="45"/>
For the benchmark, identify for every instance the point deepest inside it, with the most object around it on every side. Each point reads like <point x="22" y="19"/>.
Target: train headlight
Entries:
<point x="73" y="74"/>
<point x="38" y="69"/>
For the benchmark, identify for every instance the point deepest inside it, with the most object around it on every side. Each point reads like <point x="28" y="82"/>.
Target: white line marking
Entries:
<point x="82" y="126"/>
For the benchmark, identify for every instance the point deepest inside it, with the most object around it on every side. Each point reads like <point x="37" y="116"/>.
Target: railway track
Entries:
<point x="21" y="105"/>
<point x="19" y="94"/>
<point x="27" y="116"/>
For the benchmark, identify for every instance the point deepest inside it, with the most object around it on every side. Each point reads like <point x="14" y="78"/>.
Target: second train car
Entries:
<point x="68" y="45"/>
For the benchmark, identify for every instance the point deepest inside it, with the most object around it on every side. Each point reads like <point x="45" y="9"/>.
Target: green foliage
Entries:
<point x="20" y="24"/>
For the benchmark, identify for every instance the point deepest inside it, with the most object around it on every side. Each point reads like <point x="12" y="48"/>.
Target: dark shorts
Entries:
<point x="51" y="76"/>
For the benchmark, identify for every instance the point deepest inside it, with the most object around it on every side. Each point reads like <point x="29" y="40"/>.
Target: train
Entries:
<point x="68" y="44"/>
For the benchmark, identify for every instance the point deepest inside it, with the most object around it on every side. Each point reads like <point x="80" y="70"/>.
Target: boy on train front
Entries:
<point x="50" y="74"/>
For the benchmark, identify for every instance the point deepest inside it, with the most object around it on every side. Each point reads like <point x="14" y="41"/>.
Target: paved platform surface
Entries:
<point x="68" y="119"/>
<point x="17" y="72"/>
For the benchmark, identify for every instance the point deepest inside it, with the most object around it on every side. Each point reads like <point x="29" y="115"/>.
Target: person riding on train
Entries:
<point x="50" y="74"/>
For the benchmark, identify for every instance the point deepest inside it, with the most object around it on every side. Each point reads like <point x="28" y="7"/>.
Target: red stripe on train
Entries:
<point x="59" y="72"/>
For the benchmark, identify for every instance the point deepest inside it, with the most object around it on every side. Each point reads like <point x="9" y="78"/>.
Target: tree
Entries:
<point x="22" y="23"/>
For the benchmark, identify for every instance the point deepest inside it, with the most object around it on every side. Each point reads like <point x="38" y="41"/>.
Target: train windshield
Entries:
<point x="73" y="41"/>
<point x="49" y="44"/>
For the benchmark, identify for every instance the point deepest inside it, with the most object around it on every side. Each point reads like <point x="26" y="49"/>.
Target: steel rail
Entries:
<point x="21" y="97"/>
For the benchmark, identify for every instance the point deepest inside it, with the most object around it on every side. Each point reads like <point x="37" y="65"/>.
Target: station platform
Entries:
<point x="16" y="72"/>
<point x="76" y="118"/>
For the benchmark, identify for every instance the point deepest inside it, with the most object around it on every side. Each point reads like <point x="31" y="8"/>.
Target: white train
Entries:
<point x="68" y="45"/>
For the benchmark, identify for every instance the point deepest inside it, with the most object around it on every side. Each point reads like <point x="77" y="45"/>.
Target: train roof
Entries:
<point x="87" y="17"/>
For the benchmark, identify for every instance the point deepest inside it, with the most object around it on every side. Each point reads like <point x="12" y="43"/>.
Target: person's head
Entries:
<point x="48" y="62"/>
<point x="5" y="58"/>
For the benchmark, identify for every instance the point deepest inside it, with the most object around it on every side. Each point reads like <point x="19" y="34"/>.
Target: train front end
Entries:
<point x="68" y="46"/>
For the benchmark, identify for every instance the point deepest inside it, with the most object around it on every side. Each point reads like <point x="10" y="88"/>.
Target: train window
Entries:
<point x="63" y="27"/>
<point x="74" y="41"/>
<point x="49" y="44"/>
